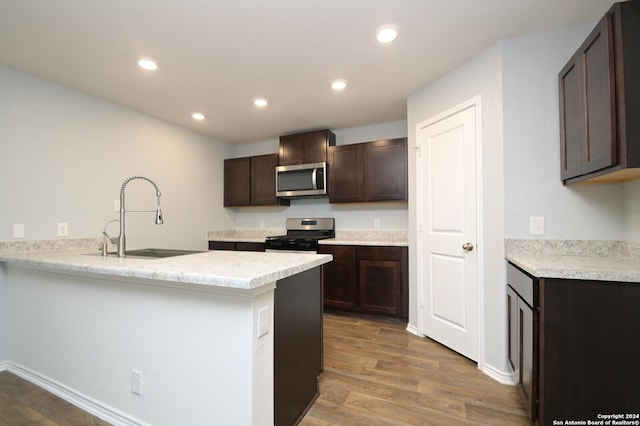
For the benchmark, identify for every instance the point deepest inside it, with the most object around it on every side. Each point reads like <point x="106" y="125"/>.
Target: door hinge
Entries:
<point x="418" y="149"/>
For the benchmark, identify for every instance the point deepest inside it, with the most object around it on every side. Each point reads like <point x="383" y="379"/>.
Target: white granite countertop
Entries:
<point x="583" y="260"/>
<point x="356" y="237"/>
<point x="231" y="270"/>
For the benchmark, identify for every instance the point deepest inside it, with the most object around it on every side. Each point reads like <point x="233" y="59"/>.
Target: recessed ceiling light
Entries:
<point x="338" y="85"/>
<point x="198" y="116"/>
<point x="260" y="102"/>
<point x="386" y="34"/>
<point x="148" y="64"/>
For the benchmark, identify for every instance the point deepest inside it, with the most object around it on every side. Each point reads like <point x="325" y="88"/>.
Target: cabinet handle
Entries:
<point x="467" y="247"/>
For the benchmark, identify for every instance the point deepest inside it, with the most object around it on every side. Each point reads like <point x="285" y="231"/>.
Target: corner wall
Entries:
<point x="480" y="76"/>
<point x="65" y="155"/>
<point x="532" y="147"/>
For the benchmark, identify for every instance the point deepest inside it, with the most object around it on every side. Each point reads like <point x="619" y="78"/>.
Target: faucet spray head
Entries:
<point x="159" y="220"/>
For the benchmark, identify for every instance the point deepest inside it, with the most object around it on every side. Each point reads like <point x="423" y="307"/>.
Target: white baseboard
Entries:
<point x="499" y="376"/>
<point x="4" y="365"/>
<point x="86" y="403"/>
<point x="413" y="329"/>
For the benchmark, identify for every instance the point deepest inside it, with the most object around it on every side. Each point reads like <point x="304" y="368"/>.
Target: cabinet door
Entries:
<point x="346" y="173"/>
<point x="340" y="278"/>
<point x="380" y="287"/>
<point x="291" y="150"/>
<point x="385" y="170"/>
<point x="525" y="376"/>
<point x="587" y="105"/>
<point x="237" y="189"/>
<point x="248" y="246"/>
<point x="302" y="148"/>
<point x="600" y="143"/>
<point x="513" y="326"/>
<point x="571" y="120"/>
<point x="222" y="245"/>
<point x="263" y="180"/>
<point x="315" y="146"/>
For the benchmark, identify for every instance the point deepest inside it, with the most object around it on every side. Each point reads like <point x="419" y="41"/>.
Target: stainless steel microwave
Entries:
<point x="301" y="180"/>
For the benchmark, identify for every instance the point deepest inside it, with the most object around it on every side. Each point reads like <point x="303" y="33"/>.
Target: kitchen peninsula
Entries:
<point x="573" y="327"/>
<point x="179" y="340"/>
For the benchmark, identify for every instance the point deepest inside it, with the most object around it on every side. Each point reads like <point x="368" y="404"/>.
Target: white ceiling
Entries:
<point x="216" y="56"/>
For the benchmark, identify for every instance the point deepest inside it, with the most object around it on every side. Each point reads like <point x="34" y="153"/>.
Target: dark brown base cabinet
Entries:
<point x="581" y="342"/>
<point x="367" y="279"/>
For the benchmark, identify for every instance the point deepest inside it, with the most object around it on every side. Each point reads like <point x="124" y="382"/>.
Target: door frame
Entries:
<point x="420" y="209"/>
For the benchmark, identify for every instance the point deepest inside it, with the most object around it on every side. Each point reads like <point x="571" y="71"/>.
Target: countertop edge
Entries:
<point x="184" y="271"/>
<point x="589" y="268"/>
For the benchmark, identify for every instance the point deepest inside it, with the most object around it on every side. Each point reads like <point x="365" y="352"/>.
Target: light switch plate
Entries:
<point x="536" y="225"/>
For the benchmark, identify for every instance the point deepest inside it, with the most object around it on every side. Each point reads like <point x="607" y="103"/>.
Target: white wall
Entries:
<point x="480" y="76"/>
<point x="65" y="155"/>
<point x="4" y="317"/>
<point x="532" y="147"/>
<point x="631" y="203"/>
<point x="392" y="215"/>
<point x="197" y="349"/>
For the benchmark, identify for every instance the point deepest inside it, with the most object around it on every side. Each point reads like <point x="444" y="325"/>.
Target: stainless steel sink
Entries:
<point x="151" y="253"/>
<point x="158" y="252"/>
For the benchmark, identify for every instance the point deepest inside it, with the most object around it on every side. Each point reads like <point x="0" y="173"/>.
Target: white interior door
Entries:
<point x="447" y="212"/>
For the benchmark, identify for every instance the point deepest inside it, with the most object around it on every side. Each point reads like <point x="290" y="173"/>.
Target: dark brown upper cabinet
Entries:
<point x="599" y="92"/>
<point x="302" y="148"/>
<point x="251" y="181"/>
<point x="368" y="172"/>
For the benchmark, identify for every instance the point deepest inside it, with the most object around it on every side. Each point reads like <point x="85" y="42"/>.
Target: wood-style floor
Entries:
<point x="22" y="403"/>
<point x="375" y="373"/>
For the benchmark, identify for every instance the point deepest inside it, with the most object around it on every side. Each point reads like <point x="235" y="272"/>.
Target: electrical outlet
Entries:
<point x="136" y="382"/>
<point x="18" y="230"/>
<point x="376" y="223"/>
<point x="262" y="224"/>
<point x="63" y="229"/>
<point x="263" y="321"/>
<point x="536" y="225"/>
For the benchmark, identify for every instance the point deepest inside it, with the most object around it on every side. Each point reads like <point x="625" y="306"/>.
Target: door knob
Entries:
<point x="467" y="247"/>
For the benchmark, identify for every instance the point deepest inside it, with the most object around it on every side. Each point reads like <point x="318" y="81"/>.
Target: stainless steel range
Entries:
<point x="302" y="235"/>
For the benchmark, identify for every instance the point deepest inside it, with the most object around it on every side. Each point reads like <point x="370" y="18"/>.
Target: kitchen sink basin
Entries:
<point x="151" y="253"/>
<point x="158" y="252"/>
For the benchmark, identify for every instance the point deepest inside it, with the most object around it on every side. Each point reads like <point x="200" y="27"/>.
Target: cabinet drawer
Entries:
<point x="521" y="283"/>
<point x="380" y="253"/>
<point x="222" y="245"/>
<point x="342" y="252"/>
<point x="244" y="246"/>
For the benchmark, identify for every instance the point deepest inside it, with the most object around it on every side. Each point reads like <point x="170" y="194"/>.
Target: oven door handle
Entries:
<point x="314" y="178"/>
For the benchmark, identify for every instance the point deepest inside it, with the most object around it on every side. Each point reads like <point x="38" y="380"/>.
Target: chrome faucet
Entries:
<point x="121" y="238"/>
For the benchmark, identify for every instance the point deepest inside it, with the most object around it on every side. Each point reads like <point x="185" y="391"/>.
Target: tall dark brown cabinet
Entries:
<point x="600" y="101"/>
